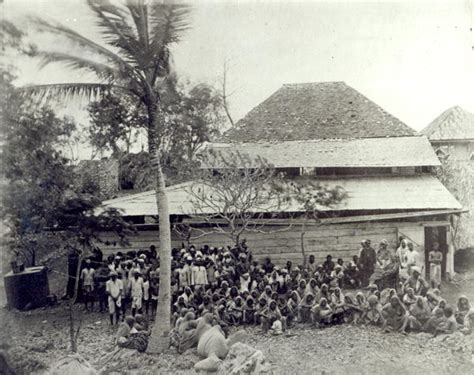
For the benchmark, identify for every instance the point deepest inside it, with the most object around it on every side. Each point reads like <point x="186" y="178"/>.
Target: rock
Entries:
<point x="210" y="364"/>
<point x="72" y="364"/>
<point x="213" y="342"/>
<point x="243" y="359"/>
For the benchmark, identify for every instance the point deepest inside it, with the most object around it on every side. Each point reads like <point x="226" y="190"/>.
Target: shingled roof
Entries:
<point x="453" y="124"/>
<point x="422" y="192"/>
<point x="363" y="152"/>
<point x="323" y="110"/>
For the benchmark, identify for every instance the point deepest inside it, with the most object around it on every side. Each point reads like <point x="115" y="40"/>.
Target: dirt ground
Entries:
<point x="37" y="338"/>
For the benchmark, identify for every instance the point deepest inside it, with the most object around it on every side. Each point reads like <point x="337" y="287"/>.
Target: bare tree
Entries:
<point x="225" y="94"/>
<point x="314" y="198"/>
<point x="235" y="193"/>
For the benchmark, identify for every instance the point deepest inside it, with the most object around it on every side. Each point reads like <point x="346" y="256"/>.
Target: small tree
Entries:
<point x="79" y="225"/>
<point x="314" y="198"/>
<point x="235" y="193"/>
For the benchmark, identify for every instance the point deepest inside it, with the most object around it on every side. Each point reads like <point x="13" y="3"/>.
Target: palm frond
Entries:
<point x="64" y="92"/>
<point x="103" y="71"/>
<point x="85" y="44"/>
<point x="115" y="26"/>
<point x="139" y="13"/>
<point x="168" y="23"/>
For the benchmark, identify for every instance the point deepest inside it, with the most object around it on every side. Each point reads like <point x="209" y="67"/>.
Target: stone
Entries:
<point x="243" y="359"/>
<point x="210" y="364"/>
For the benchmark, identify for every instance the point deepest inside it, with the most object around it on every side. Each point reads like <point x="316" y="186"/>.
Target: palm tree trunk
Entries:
<point x="159" y="339"/>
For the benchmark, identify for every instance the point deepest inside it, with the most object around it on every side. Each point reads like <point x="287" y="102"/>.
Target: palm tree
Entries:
<point x="134" y="59"/>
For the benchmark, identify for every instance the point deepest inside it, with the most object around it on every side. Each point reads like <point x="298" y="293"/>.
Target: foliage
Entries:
<point x="115" y="123"/>
<point x="192" y="116"/>
<point x="37" y="173"/>
<point x="42" y="204"/>
<point x="458" y="177"/>
<point x="133" y="58"/>
<point x="12" y="43"/>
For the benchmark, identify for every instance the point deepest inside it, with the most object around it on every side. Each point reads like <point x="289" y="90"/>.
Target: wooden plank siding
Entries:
<point x="339" y="240"/>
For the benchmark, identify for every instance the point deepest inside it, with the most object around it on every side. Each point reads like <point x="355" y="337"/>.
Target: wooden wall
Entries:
<point x="339" y="240"/>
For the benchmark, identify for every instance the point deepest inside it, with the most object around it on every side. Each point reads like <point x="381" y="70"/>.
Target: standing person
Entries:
<point x="136" y="292"/>
<point x="412" y="258"/>
<point x="367" y="259"/>
<point x="114" y="289"/>
<point x="400" y="255"/>
<point x="435" y="257"/>
<point x="146" y="294"/>
<point x="87" y="278"/>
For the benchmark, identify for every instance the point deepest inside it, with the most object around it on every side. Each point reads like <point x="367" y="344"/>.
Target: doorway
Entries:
<point x="439" y="235"/>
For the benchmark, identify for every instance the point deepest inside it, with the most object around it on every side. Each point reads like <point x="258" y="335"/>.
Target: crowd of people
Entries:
<point x="227" y="286"/>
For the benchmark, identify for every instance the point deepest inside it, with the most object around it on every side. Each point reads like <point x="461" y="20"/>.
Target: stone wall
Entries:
<point x="104" y="173"/>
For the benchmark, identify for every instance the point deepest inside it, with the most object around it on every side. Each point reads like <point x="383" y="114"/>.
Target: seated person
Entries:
<point x="449" y="325"/>
<point x="351" y="274"/>
<point x="291" y="310"/>
<point x="249" y="311"/>
<point x="321" y="314"/>
<point x="271" y="315"/>
<point x="301" y="290"/>
<point x="353" y="311"/>
<point x="372" y="315"/>
<point x="141" y="324"/>
<point x="304" y="309"/>
<point x="336" y="277"/>
<point x="328" y="265"/>
<point x="409" y="298"/>
<point x="462" y="309"/>
<point x="441" y="306"/>
<point x="437" y="318"/>
<point x="395" y="316"/>
<point x="420" y="313"/>
<point x="124" y="331"/>
<point x="235" y="311"/>
<point x="261" y="307"/>
<point x="432" y="299"/>
<point x="416" y="282"/>
<point x="324" y="292"/>
<point x="338" y="306"/>
<point x="312" y="287"/>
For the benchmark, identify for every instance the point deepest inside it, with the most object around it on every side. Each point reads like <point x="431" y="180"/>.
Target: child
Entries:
<point x="154" y="289"/>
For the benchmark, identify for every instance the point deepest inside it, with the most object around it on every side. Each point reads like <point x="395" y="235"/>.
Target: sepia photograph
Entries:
<point x="237" y="187"/>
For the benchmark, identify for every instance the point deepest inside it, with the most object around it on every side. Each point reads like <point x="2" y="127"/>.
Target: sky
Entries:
<point x="413" y="58"/>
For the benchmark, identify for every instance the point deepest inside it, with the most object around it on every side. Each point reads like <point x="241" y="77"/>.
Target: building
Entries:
<point x="452" y="133"/>
<point x="452" y="136"/>
<point x="332" y="134"/>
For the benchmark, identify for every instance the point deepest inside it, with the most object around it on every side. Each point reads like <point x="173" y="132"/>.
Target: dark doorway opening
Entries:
<point x="439" y="235"/>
